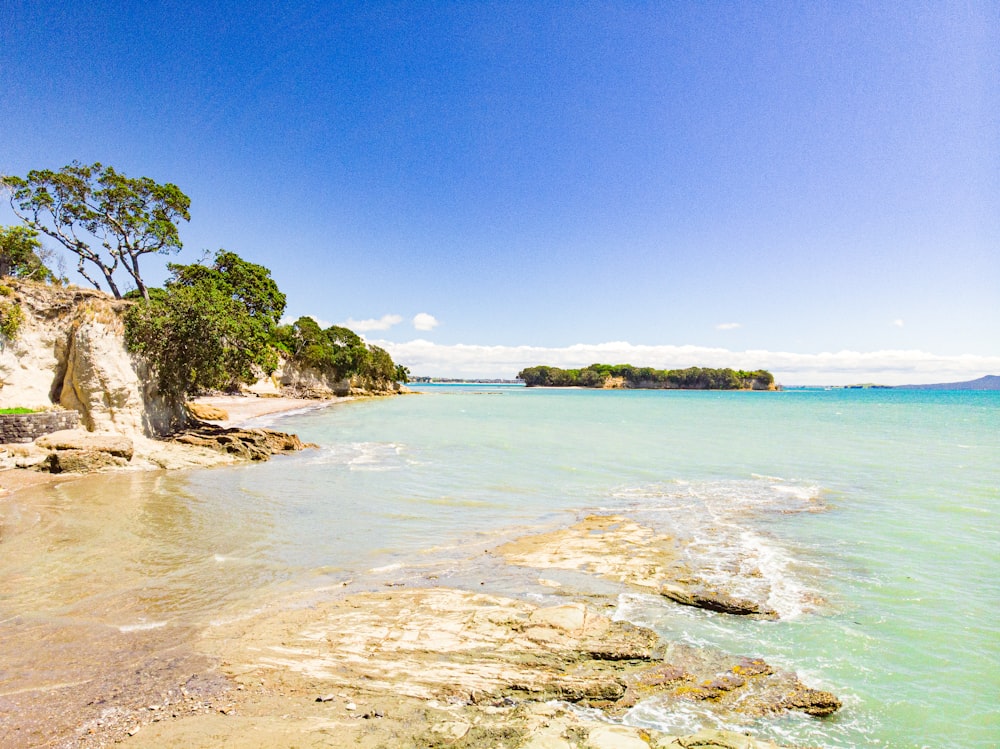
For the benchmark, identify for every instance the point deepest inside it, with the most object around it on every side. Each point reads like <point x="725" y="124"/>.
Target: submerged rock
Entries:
<point x="617" y="548"/>
<point x="715" y="600"/>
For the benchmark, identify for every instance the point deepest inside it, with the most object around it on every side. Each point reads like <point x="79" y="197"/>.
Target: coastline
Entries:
<point x="258" y="679"/>
<point x="242" y="411"/>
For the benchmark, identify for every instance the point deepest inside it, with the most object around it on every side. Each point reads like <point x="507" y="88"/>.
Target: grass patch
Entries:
<point x="18" y="410"/>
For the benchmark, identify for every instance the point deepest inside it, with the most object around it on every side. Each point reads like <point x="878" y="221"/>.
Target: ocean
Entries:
<point x="869" y="518"/>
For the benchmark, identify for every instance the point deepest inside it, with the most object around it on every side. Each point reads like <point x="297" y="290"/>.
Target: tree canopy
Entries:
<point x="22" y="255"/>
<point x="691" y="378"/>
<point x="210" y="328"/>
<point x="106" y="219"/>
<point x="336" y="352"/>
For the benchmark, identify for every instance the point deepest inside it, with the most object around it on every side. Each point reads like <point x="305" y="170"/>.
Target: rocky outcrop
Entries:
<point x="490" y="657"/>
<point x="617" y="548"/>
<point x="248" y="444"/>
<point x="712" y="599"/>
<point x="70" y="351"/>
<point x="79" y="451"/>
<point x="117" y="445"/>
<point x="204" y="411"/>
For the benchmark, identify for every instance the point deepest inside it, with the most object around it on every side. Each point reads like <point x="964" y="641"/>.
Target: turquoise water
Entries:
<point x="868" y="518"/>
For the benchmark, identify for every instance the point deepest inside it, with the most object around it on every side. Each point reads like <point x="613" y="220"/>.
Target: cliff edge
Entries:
<point x="70" y="351"/>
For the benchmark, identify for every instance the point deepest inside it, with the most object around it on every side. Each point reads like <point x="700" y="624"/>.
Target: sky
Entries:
<point x="812" y="188"/>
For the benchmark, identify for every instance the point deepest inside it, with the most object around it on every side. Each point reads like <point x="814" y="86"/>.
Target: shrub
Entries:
<point x="11" y="314"/>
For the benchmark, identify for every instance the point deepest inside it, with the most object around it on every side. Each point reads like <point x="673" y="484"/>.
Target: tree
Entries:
<point x="210" y="328"/>
<point x="22" y="255"/>
<point x="337" y="352"/>
<point x="127" y="217"/>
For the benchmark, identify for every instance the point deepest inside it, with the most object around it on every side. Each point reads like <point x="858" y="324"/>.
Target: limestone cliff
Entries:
<point x="70" y="352"/>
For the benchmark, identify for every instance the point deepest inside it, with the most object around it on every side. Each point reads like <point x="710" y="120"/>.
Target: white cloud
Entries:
<point x="894" y="367"/>
<point x="728" y="326"/>
<point x="424" y="321"/>
<point x="898" y="323"/>
<point x="363" y="326"/>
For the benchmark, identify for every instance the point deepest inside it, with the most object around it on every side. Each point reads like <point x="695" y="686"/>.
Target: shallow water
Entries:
<point x="868" y="519"/>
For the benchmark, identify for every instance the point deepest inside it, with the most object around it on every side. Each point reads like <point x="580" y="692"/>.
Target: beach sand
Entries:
<point x="242" y="409"/>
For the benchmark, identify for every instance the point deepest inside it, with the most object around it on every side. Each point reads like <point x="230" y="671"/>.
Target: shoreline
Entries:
<point x="243" y="411"/>
<point x="460" y="666"/>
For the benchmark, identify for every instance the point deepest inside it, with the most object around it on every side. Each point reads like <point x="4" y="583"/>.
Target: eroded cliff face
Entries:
<point x="70" y="351"/>
<point x="307" y="382"/>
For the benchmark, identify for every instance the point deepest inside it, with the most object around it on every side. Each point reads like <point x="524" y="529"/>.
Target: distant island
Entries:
<point x="425" y="380"/>
<point x="987" y="382"/>
<point x="625" y="376"/>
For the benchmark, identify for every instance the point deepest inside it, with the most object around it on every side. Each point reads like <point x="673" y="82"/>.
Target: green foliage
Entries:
<point x="17" y="410"/>
<point x="105" y="218"/>
<point x="21" y="254"/>
<point x="211" y="327"/>
<point x="692" y="378"/>
<point x="11" y="314"/>
<point x="337" y="352"/>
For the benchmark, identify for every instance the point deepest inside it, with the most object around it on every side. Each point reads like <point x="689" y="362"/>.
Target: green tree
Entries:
<point x="22" y="255"/>
<point x="210" y="328"/>
<point x="105" y="218"/>
<point x="337" y="352"/>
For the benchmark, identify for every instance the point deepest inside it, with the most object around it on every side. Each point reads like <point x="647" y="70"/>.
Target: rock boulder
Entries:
<point x="249" y="444"/>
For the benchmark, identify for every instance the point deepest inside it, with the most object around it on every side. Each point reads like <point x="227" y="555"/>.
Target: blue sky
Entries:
<point x="814" y="188"/>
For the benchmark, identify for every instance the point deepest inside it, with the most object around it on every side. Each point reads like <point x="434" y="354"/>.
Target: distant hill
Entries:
<point x="988" y="382"/>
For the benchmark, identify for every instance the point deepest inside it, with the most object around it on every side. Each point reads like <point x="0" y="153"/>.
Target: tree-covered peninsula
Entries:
<point x="608" y="376"/>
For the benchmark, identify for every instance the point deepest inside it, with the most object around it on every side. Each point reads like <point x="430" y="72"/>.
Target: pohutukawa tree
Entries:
<point x="105" y="218"/>
<point x="22" y="255"/>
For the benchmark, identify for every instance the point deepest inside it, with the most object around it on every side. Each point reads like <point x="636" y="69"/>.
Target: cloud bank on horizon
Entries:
<point x="890" y="367"/>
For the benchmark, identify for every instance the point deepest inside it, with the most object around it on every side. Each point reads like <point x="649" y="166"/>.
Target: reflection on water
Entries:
<point x="125" y="549"/>
<point x="103" y="580"/>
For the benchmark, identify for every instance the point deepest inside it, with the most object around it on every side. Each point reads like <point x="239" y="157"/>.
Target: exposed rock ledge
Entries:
<point x="443" y="667"/>
<point x="619" y="549"/>
<point x="249" y="444"/>
<point x="476" y="649"/>
<point x="79" y="451"/>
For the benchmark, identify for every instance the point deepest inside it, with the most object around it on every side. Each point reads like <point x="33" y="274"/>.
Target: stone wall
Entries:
<point x="26" y="427"/>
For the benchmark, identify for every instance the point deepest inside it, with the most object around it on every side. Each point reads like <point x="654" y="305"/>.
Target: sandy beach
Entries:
<point x="242" y="409"/>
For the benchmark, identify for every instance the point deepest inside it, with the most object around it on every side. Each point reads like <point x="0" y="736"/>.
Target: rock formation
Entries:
<point x="617" y="548"/>
<point x="70" y="352"/>
<point x="249" y="444"/>
<point x="472" y="668"/>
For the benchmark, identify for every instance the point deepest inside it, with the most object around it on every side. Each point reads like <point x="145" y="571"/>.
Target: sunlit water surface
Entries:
<point x="871" y="516"/>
